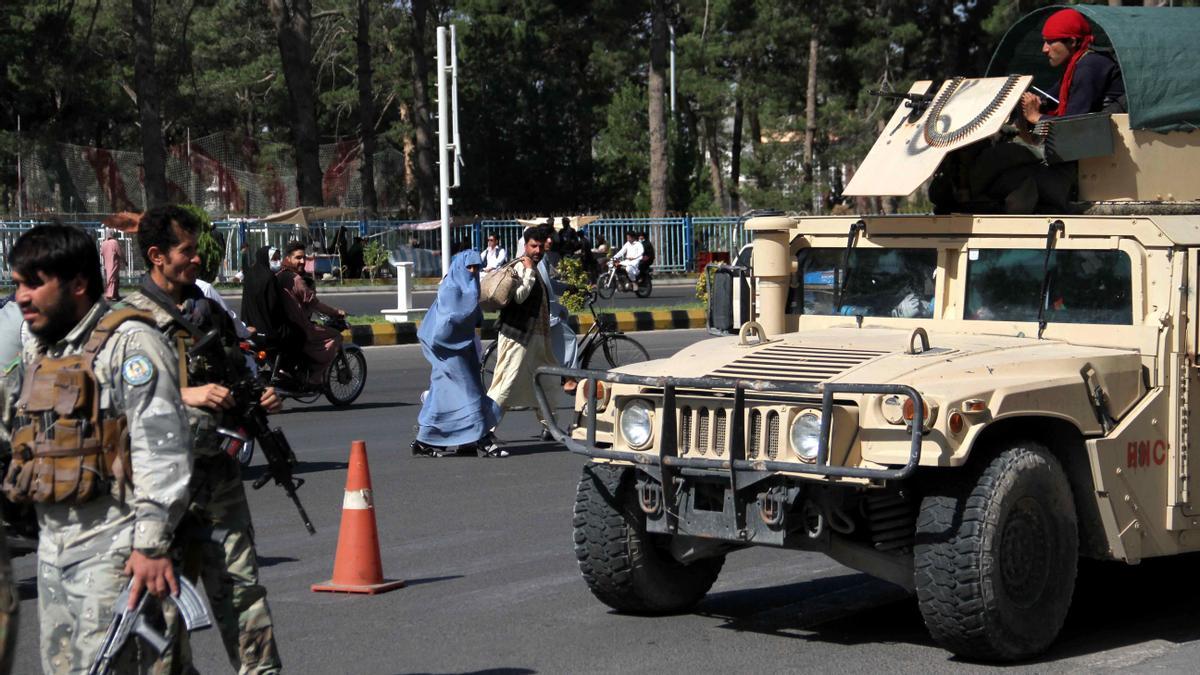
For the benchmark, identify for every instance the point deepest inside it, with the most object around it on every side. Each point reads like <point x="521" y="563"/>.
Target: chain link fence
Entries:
<point x="223" y="173"/>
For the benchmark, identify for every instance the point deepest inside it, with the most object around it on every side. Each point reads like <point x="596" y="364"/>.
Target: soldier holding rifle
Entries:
<point x="218" y="539"/>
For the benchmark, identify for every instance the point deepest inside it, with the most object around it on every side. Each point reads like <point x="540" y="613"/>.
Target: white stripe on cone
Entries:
<point x="358" y="500"/>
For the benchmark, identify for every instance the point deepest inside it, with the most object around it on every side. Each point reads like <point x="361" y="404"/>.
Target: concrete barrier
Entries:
<point x="386" y="334"/>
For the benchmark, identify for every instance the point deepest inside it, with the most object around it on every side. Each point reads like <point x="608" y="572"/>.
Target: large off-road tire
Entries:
<point x="996" y="554"/>
<point x="625" y="567"/>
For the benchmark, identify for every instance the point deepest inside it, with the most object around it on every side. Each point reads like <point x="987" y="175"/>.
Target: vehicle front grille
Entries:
<point x="705" y="432"/>
<point x="685" y="430"/>
<point x="755" y="443"/>
<point x="791" y="363"/>
<point x="719" y="433"/>
<point x="772" y="434"/>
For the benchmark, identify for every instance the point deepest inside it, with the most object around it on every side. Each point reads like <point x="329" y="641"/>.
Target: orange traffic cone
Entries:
<point x="357" y="567"/>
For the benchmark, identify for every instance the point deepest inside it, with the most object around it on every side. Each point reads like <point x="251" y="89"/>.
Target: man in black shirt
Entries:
<point x="1091" y="81"/>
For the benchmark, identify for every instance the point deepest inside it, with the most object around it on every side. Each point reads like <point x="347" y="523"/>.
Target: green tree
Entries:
<point x="212" y="251"/>
<point x="293" y="27"/>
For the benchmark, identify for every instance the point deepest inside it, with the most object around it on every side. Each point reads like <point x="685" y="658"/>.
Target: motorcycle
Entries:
<point x="616" y="278"/>
<point x="344" y="380"/>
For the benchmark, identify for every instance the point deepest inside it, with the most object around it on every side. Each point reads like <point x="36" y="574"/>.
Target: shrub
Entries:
<point x="374" y="257"/>
<point x="570" y="272"/>
<point x="702" y="287"/>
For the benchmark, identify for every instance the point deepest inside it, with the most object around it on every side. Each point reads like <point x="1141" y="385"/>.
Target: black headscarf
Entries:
<point x="262" y="306"/>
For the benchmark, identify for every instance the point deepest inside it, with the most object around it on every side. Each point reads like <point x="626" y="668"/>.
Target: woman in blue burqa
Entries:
<point x="456" y="414"/>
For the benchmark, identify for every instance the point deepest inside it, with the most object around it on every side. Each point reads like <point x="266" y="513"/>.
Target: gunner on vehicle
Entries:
<point x="1092" y="80"/>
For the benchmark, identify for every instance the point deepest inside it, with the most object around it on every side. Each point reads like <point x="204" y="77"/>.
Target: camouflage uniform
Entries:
<point x="10" y="385"/>
<point x="82" y="549"/>
<point x="9" y="604"/>
<point x="228" y="565"/>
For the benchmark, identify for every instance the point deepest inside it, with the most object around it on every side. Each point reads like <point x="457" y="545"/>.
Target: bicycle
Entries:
<point x="602" y="336"/>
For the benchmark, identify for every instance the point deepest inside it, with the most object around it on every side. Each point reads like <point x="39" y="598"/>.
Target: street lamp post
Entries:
<point x="448" y="141"/>
<point x="20" y="183"/>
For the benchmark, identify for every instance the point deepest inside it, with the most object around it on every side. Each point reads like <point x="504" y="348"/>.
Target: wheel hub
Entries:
<point x="1024" y="555"/>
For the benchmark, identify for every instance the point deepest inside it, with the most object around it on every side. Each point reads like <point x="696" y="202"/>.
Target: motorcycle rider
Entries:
<point x="629" y="257"/>
<point x="647" y="253"/>
<point x="321" y="343"/>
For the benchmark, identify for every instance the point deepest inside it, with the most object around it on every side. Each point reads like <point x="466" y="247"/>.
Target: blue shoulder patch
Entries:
<point x="137" y="370"/>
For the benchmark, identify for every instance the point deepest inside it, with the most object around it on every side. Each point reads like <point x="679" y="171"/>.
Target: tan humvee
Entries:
<point x="960" y="404"/>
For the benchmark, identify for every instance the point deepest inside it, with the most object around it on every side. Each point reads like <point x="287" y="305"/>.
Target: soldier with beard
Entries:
<point x="100" y="446"/>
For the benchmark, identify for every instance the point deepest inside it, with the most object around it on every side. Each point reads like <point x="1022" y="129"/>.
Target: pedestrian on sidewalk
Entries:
<point x="494" y="256"/>
<point x="110" y="254"/>
<point x="455" y="415"/>
<point x="523" y="345"/>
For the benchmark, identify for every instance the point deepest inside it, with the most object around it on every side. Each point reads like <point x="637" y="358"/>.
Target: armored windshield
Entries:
<point x="875" y="282"/>
<point x="1085" y="286"/>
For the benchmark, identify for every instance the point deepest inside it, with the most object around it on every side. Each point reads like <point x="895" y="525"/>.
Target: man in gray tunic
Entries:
<point x="113" y="519"/>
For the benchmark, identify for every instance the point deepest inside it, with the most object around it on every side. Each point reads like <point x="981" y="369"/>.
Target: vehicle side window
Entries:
<point x="1084" y="286"/>
<point x="877" y="282"/>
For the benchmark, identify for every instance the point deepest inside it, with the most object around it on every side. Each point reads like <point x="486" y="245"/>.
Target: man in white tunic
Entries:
<point x="629" y="256"/>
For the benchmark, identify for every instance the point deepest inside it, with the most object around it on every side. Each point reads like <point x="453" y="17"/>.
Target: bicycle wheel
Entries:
<point x="489" y="365"/>
<point x="346" y="376"/>
<point x="606" y="285"/>
<point x="622" y="350"/>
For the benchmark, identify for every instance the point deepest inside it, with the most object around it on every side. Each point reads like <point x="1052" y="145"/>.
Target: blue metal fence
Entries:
<point x="679" y="242"/>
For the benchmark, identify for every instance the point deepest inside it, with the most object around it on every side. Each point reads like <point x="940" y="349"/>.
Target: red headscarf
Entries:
<point x="1068" y="24"/>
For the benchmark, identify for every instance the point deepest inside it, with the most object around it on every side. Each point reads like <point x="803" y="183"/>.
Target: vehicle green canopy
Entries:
<point x="1155" y="47"/>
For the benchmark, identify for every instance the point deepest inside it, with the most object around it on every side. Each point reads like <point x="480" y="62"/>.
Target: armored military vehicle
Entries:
<point x="961" y="404"/>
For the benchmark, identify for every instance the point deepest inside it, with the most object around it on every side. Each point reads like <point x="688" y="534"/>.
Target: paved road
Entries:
<point x="374" y="302"/>
<point x="493" y="586"/>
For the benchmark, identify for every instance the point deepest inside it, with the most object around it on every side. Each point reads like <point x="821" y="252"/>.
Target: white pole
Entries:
<point x="191" y="174"/>
<point x="454" y="107"/>
<point x="672" y="28"/>
<point x="443" y="141"/>
<point x="20" y="184"/>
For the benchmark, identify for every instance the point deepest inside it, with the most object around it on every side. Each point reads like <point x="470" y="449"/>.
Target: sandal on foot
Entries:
<point x="491" y="450"/>
<point x="420" y="449"/>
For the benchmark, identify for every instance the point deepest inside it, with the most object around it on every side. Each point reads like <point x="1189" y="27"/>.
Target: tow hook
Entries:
<point x="770" y="506"/>
<point x="814" y="521"/>
<point x="650" y="497"/>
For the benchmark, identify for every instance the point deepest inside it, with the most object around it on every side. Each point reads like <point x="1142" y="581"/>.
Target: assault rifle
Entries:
<point x="281" y="460"/>
<point x="129" y="622"/>
<point x="247" y="392"/>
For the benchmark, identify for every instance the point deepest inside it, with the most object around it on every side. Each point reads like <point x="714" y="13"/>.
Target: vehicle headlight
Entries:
<point x="637" y="423"/>
<point x="806" y="435"/>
